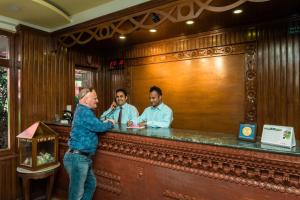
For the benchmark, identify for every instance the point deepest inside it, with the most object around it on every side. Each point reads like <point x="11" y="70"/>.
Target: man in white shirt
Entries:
<point x="120" y="111"/>
<point x="156" y="115"/>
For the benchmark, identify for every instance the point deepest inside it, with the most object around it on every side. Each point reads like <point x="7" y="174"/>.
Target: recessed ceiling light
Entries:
<point x="122" y="37"/>
<point x="238" y="11"/>
<point x="152" y="30"/>
<point x="189" y="22"/>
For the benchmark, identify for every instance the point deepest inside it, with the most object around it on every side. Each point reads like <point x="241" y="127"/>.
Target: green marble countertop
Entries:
<point x="209" y="138"/>
<point x="201" y="137"/>
<point x="57" y="123"/>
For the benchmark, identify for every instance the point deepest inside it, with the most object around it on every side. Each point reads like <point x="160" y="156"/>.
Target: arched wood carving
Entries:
<point x="177" y="11"/>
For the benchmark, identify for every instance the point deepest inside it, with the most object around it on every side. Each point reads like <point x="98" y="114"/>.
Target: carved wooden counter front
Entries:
<point x="173" y="164"/>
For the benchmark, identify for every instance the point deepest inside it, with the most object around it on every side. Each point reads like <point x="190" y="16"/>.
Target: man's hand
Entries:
<point x="143" y="123"/>
<point x="110" y="120"/>
<point x="129" y="123"/>
<point x="113" y="105"/>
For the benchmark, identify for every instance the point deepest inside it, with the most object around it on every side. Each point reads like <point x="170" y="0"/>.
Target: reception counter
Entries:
<point x="175" y="164"/>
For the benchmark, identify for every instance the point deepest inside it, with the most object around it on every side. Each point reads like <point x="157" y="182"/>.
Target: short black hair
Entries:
<point x="122" y="90"/>
<point x="156" y="89"/>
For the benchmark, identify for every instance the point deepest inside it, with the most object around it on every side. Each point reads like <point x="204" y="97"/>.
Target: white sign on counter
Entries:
<point x="278" y="135"/>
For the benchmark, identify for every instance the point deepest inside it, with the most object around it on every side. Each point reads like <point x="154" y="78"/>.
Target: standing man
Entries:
<point x="156" y="115"/>
<point x="120" y="111"/>
<point x="83" y="143"/>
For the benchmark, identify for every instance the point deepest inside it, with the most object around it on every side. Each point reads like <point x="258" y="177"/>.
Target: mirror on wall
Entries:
<point x="83" y="78"/>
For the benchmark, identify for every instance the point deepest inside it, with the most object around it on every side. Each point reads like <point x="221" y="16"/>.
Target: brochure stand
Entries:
<point x="278" y="135"/>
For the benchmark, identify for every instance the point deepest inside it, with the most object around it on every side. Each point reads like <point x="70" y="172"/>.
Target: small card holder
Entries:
<point x="247" y="132"/>
<point x="283" y="136"/>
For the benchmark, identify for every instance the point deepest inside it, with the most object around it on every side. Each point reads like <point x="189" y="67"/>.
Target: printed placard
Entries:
<point x="278" y="135"/>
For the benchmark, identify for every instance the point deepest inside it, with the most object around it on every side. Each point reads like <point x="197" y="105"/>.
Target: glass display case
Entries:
<point x="38" y="147"/>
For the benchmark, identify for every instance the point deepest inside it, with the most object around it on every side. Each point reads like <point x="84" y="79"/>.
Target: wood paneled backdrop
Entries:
<point x="204" y="94"/>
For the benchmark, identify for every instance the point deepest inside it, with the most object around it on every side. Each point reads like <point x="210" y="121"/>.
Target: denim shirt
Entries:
<point x="85" y="129"/>
<point x="160" y="116"/>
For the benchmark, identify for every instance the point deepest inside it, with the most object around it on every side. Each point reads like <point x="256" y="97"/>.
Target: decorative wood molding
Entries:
<point x="222" y="37"/>
<point x="108" y="181"/>
<point x="269" y="171"/>
<point x="173" y="12"/>
<point x="177" y="196"/>
<point x="190" y="54"/>
<point x="251" y="84"/>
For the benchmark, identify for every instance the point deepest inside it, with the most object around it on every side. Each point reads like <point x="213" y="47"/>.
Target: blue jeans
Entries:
<point x="82" y="179"/>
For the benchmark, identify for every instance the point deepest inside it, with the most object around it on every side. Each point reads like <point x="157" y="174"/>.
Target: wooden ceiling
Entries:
<point x="252" y="13"/>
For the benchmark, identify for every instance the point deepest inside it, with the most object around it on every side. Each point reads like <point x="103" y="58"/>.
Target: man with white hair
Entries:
<point x="83" y="143"/>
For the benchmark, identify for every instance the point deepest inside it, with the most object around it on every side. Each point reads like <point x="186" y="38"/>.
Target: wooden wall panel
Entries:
<point x="278" y="76"/>
<point x="45" y="83"/>
<point x="47" y="75"/>
<point x="7" y="177"/>
<point x="205" y="94"/>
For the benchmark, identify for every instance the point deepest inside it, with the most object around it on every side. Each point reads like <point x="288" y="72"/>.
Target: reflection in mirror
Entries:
<point x="4" y="47"/>
<point x="4" y="108"/>
<point x="83" y="79"/>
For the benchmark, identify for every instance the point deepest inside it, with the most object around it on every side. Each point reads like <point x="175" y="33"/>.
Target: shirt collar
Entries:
<point x="123" y="106"/>
<point x="79" y="104"/>
<point x="159" y="107"/>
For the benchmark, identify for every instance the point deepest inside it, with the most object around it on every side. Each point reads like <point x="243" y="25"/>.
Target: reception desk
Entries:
<point x="175" y="164"/>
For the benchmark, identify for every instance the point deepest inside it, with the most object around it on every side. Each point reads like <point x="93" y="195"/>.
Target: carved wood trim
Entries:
<point x="276" y="172"/>
<point x="251" y="84"/>
<point x="222" y="37"/>
<point x="189" y="54"/>
<point x="173" y="12"/>
<point x="177" y="196"/>
<point x="108" y="181"/>
<point x="270" y="171"/>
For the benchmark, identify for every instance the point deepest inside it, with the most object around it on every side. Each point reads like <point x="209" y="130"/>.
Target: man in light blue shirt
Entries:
<point x="120" y="111"/>
<point x="156" y="115"/>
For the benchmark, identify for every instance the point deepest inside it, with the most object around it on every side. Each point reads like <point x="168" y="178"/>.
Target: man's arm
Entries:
<point x="92" y="123"/>
<point x="164" y="122"/>
<point x="107" y="114"/>
<point x="142" y="117"/>
<point x="110" y="112"/>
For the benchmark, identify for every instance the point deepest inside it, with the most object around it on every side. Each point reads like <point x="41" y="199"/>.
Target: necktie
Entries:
<point x="120" y="115"/>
